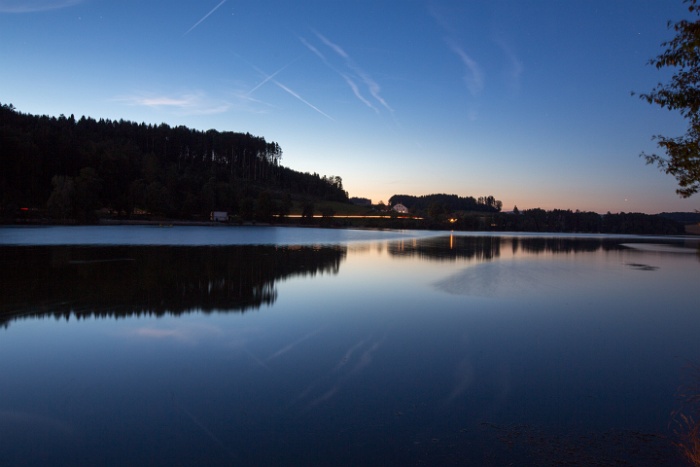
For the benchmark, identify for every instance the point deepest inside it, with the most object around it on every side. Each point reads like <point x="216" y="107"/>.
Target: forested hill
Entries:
<point x="71" y="168"/>
<point x="447" y="203"/>
<point x="683" y="217"/>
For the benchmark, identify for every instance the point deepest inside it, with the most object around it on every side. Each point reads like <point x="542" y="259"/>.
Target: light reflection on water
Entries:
<point x="444" y="349"/>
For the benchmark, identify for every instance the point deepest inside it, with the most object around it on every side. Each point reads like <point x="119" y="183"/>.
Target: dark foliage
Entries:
<point x="682" y="93"/>
<point x="539" y="220"/>
<point x="533" y="220"/>
<point x="446" y="203"/>
<point x="683" y="217"/>
<point x="70" y="168"/>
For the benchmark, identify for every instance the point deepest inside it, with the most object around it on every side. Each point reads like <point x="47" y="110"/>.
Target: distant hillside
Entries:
<point x="682" y="217"/>
<point x="559" y="220"/>
<point x="70" y="168"/>
<point x="447" y="203"/>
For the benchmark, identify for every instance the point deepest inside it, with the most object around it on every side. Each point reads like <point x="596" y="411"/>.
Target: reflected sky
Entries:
<point x="428" y="350"/>
<point x="166" y="234"/>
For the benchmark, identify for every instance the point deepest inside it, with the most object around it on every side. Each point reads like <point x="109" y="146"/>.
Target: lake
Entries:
<point x="145" y="345"/>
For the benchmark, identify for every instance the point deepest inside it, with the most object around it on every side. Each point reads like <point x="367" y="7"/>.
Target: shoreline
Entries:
<point x="341" y="222"/>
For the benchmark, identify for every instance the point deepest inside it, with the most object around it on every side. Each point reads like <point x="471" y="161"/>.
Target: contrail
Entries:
<point x="296" y="342"/>
<point x="267" y="78"/>
<point x="357" y="93"/>
<point x="302" y="99"/>
<point x="205" y="16"/>
<point x="312" y="48"/>
<point x="339" y="50"/>
<point x="475" y="79"/>
<point x="372" y="85"/>
<point x="202" y="426"/>
<point x="283" y="87"/>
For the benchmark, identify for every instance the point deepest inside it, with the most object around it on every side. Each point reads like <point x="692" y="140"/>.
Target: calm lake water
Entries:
<point x="287" y="346"/>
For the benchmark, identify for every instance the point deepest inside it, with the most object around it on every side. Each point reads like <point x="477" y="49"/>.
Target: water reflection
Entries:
<point x="121" y="281"/>
<point x="528" y="278"/>
<point x="562" y="245"/>
<point x="516" y="267"/>
<point x="539" y="341"/>
<point x="124" y="280"/>
<point x="457" y="247"/>
<point x="448" y="248"/>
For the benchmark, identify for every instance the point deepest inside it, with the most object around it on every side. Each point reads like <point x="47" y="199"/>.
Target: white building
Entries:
<point x="400" y="208"/>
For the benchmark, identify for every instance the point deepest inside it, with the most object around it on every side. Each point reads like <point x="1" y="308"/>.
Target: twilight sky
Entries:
<point x="525" y="100"/>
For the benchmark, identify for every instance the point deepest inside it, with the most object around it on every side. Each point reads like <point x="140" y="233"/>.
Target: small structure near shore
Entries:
<point x="400" y="208"/>
<point x="219" y="216"/>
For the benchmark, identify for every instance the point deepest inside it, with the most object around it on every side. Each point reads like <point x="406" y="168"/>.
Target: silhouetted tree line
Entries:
<point x="683" y="217"/>
<point x="121" y="281"/>
<point x="558" y="220"/>
<point x="531" y="220"/>
<point x="437" y="204"/>
<point x="72" y="167"/>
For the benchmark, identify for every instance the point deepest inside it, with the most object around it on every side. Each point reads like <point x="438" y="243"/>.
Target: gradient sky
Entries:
<point x="528" y="101"/>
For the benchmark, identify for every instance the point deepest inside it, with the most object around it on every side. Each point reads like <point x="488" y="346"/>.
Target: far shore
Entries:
<point x="184" y="223"/>
<point x="327" y="222"/>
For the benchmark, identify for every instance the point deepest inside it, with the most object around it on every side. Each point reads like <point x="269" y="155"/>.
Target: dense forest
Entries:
<point x="559" y="220"/>
<point x="70" y="169"/>
<point x="446" y="203"/>
<point x="683" y="217"/>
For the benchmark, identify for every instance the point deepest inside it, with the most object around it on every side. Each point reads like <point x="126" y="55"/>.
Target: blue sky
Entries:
<point x="528" y="101"/>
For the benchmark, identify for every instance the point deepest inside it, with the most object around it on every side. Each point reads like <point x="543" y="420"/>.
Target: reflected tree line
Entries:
<point x="60" y="281"/>
<point x="450" y="248"/>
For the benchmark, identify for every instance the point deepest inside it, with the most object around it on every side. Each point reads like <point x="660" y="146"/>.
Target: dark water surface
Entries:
<point x="274" y="346"/>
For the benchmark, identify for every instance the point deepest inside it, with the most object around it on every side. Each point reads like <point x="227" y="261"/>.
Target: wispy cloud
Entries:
<point x="354" y="76"/>
<point x="312" y="49"/>
<point x="289" y="347"/>
<point x="33" y="6"/>
<point x="441" y="18"/>
<point x="358" y="94"/>
<point x="196" y="103"/>
<point x="336" y="48"/>
<point x="337" y="378"/>
<point x="205" y="16"/>
<point x="474" y="77"/>
<point x="244" y="101"/>
<point x="515" y="66"/>
<point x="188" y="334"/>
<point x="162" y="101"/>
<point x="366" y="357"/>
<point x="374" y="89"/>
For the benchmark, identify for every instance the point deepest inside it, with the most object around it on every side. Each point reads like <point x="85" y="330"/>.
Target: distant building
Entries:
<point x="219" y="216"/>
<point x="400" y="208"/>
